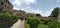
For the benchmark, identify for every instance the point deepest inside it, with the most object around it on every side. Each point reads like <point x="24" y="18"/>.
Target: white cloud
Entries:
<point x="23" y="2"/>
<point x="16" y="8"/>
<point x="35" y="2"/>
<point x="52" y="9"/>
<point x="45" y="14"/>
<point x="24" y="5"/>
<point x="30" y="10"/>
<point x="36" y="11"/>
<point x="29" y="1"/>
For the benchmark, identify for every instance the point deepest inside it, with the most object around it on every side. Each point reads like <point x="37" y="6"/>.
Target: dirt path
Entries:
<point x="18" y="24"/>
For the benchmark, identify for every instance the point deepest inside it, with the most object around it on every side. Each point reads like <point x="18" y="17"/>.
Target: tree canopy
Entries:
<point x="38" y="15"/>
<point x="55" y="12"/>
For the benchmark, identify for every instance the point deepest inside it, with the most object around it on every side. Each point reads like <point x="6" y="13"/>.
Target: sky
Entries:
<point x="42" y="7"/>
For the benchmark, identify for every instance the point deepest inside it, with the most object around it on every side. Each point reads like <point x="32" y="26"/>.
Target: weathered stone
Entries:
<point x="5" y="6"/>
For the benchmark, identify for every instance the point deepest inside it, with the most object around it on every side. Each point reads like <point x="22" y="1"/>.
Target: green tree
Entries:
<point x="55" y="12"/>
<point x="38" y="15"/>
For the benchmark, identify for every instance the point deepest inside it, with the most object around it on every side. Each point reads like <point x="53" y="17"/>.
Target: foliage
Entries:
<point x="54" y="25"/>
<point x="44" y="21"/>
<point x="38" y="15"/>
<point x="7" y="19"/>
<point x="55" y="12"/>
<point x="33" y="22"/>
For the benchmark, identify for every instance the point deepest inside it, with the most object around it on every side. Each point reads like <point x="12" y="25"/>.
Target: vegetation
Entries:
<point x="33" y="22"/>
<point x="38" y="15"/>
<point x="7" y="20"/>
<point x="55" y="12"/>
<point x="54" y="24"/>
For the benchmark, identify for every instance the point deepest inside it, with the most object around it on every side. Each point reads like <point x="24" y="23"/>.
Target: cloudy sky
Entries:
<point x="43" y="7"/>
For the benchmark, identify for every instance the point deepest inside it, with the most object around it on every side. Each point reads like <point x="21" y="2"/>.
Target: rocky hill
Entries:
<point x="5" y="6"/>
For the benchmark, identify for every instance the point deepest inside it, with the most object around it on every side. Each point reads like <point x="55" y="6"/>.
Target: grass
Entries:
<point x="42" y="26"/>
<point x="39" y="26"/>
<point x="26" y="25"/>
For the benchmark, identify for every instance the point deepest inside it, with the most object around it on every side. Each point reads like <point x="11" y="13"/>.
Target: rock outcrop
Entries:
<point x="5" y="6"/>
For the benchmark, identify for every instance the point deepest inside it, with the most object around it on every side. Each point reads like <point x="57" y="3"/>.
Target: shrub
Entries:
<point x="33" y="22"/>
<point x="7" y="20"/>
<point x="53" y="24"/>
<point x="58" y="24"/>
<point x="44" y="21"/>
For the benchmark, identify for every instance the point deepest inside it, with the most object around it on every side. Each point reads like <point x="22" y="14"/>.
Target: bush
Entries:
<point x="54" y="25"/>
<point x="44" y="21"/>
<point x="33" y="22"/>
<point x="7" y="20"/>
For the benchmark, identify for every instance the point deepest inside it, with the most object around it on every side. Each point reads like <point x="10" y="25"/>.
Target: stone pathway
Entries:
<point x="18" y="24"/>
